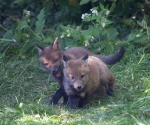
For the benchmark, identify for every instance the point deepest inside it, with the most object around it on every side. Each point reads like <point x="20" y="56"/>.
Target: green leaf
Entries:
<point x="108" y="22"/>
<point x="139" y="23"/>
<point x="8" y="34"/>
<point x="132" y="36"/>
<point x="18" y="2"/>
<point x="40" y="22"/>
<point x="140" y="39"/>
<point x="112" y="33"/>
<point x="84" y="2"/>
<point x="113" y="7"/>
<point x="90" y="31"/>
<point x="7" y="38"/>
<point x="144" y="23"/>
<point x="102" y="6"/>
<point x="23" y="24"/>
<point x="94" y="1"/>
<point x="48" y="40"/>
<point x="27" y="46"/>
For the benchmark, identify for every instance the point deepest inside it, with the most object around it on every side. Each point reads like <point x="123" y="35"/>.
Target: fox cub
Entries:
<point x="85" y="76"/>
<point x="51" y="58"/>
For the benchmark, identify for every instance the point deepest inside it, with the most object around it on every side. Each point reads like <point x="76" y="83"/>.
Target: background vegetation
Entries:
<point x="99" y="25"/>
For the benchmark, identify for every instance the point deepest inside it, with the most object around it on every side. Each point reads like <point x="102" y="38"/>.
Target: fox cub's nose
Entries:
<point x="52" y="71"/>
<point x="79" y="88"/>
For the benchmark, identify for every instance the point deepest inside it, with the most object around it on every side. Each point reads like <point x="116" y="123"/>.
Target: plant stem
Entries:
<point x="3" y="28"/>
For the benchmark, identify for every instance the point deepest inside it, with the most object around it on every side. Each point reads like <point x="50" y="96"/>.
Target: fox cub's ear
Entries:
<point x="40" y="49"/>
<point x="85" y="59"/>
<point x="65" y="59"/>
<point x="56" y="44"/>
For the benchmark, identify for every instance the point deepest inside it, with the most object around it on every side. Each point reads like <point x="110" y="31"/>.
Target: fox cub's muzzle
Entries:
<point x="53" y="69"/>
<point x="78" y="87"/>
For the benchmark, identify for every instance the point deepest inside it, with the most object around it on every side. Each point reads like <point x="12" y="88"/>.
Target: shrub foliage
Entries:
<point x="25" y="23"/>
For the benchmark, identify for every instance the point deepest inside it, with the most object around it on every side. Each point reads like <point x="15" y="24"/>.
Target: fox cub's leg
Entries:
<point x="111" y="85"/>
<point x="65" y="97"/>
<point x="73" y="102"/>
<point x="83" y="101"/>
<point x="59" y="93"/>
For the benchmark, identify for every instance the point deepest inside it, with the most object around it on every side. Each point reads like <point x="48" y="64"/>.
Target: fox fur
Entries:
<point x="51" y="58"/>
<point x="83" y="77"/>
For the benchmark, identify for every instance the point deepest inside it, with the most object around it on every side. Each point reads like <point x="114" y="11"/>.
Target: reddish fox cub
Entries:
<point x="51" y="58"/>
<point x="83" y="77"/>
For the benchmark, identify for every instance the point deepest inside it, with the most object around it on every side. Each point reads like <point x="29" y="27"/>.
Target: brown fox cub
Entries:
<point x="51" y="59"/>
<point x="83" y="77"/>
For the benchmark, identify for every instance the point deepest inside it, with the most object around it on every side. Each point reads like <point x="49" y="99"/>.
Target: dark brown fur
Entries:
<point x="83" y="77"/>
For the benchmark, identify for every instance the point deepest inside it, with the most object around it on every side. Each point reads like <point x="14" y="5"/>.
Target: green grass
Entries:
<point x="26" y="88"/>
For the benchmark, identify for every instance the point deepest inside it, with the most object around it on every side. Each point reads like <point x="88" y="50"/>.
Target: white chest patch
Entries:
<point x="82" y="94"/>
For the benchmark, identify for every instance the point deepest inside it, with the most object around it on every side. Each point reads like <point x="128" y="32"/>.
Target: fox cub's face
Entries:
<point x="51" y="57"/>
<point x="76" y="72"/>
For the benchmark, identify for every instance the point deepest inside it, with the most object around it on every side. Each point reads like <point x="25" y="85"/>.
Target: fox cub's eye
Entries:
<point x="45" y="64"/>
<point x="55" y="60"/>
<point x="82" y="76"/>
<point x="72" y="77"/>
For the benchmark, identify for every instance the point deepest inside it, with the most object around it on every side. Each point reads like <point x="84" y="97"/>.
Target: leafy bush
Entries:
<point x="130" y="20"/>
<point x="20" y="28"/>
<point x="100" y="28"/>
<point x="96" y="27"/>
<point x="22" y="38"/>
<point x="102" y="25"/>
